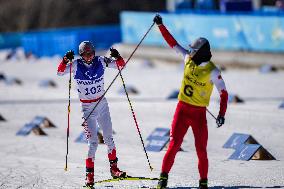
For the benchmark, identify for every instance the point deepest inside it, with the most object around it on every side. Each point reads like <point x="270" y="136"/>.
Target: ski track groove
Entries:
<point x="34" y="178"/>
<point x="4" y="179"/>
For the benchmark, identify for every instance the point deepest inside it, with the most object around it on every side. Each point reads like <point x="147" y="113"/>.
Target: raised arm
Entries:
<point x="63" y="67"/>
<point x="218" y="81"/>
<point x="168" y="37"/>
<point x="116" y="61"/>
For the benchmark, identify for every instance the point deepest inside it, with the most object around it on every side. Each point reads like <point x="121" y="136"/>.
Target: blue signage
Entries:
<point x="238" y="139"/>
<point x="26" y="129"/>
<point x="159" y="132"/>
<point x="260" y="33"/>
<point x="157" y="143"/>
<point x="245" y="152"/>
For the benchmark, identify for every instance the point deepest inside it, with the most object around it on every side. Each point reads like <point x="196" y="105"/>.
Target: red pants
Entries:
<point x="188" y="115"/>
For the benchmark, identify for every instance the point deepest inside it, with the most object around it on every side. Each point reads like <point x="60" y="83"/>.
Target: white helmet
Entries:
<point x="86" y="47"/>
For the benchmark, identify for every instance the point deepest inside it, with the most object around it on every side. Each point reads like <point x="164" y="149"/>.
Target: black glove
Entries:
<point x="114" y="53"/>
<point x="158" y="19"/>
<point x="70" y="55"/>
<point x="220" y="120"/>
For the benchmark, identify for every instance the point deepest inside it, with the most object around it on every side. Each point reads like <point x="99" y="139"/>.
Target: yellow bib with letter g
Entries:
<point x="196" y="87"/>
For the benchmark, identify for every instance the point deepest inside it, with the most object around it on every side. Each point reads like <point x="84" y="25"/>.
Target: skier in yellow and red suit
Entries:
<point x="200" y="74"/>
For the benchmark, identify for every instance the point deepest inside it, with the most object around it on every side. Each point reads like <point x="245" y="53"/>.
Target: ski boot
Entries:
<point x="89" y="180"/>
<point x="163" y="181"/>
<point x="203" y="184"/>
<point x="114" y="170"/>
<point x="89" y="174"/>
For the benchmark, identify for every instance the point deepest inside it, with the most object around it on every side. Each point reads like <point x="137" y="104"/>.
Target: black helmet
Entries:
<point x="86" y="47"/>
<point x="200" y="50"/>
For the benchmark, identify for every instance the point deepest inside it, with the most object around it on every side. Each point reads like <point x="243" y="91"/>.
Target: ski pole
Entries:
<point x="118" y="73"/>
<point x="68" y="122"/>
<point x="213" y="117"/>
<point x="134" y="117"/>
<point x="211" y="114"/>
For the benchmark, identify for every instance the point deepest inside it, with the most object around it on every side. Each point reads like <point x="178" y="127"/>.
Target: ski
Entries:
<point x="125" y="178"/>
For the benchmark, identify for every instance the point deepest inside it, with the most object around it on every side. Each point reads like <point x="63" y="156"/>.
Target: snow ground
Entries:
<point x="38" y="161"/>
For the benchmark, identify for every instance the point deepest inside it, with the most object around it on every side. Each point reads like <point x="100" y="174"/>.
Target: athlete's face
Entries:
<point x="88" y="56"/>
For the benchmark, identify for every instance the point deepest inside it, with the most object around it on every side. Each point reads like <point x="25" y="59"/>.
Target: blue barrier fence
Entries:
<point x="253" y="32"/>
<point x="58" y="41"/>
<point x="10" y="40"/>
<point x="258" y="33"/>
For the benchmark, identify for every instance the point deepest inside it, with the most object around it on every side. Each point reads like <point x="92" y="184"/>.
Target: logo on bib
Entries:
<point x="89" y="75"/>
